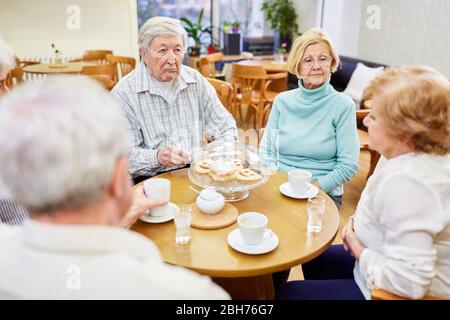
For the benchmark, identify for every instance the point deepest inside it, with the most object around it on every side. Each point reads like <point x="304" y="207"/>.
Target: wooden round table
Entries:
<point x="60" y="68"/>
<point x="245" y="276"/>
<point x="270" y="66"/>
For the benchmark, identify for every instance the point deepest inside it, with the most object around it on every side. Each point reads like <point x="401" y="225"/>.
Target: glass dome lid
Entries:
<point x="232" y="168"/>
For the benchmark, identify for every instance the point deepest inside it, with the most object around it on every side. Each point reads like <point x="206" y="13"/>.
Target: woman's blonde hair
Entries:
<point x="312" y="36"/>
<point x="416" y="106"/>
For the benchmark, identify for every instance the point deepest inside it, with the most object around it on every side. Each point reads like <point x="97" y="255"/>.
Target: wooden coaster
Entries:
<point x="222" y="219"/>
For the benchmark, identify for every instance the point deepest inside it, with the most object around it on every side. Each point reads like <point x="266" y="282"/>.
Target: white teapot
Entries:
<point x="210" y="201"/>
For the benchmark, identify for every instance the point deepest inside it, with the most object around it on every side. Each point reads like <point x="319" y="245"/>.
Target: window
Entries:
<point x="189" y="9"/>
<point x="241" y="11"/>
<point x="251" y="23"/>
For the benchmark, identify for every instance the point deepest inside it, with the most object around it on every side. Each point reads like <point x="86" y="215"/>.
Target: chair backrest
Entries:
<point x="104" y="80"/>
<point x="364" y="140"/>
<point x="125" y="64"/>
<point x="224" y="91"/>
<point x="14" y="77"/>
<point x="96" y="55"/>
<point x="207" y="64"/>
<point x="109" y="69"/>
<point x="248" y="80"/>
<point x="380" y="294"/>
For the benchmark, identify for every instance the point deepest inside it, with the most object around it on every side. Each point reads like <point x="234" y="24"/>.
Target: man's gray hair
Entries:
<point x="60" y="139"/>
<point x="7" y="58"/>
<point x="158" y="26"/>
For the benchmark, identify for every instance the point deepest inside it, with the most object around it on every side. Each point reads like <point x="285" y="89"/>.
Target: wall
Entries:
<point x="308" y="14"/>
<point x="341" y="21"/>
<point x="349" y="39"/>
<point x="30" y="27"/>
<point x="412" y="32"/>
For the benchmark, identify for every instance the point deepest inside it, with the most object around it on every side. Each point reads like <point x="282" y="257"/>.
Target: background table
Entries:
<point x="245" y="276"/>
<point x="271" y="66"/>
<point x="64" y="68"/>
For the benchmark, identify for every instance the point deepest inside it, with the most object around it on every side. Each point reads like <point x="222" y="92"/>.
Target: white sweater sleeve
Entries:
<point x="410" y="216"/>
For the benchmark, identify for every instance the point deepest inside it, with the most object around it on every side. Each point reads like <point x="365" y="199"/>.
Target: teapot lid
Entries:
<point x="210" y="194"/>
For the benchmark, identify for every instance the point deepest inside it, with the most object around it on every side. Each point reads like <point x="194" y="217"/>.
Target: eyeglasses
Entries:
<point x="323" y="61"/>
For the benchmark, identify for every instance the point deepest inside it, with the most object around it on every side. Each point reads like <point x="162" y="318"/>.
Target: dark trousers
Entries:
<point x="337" y="201"/>
<point x="282" y="276"/>
<point x="327" y="277"/>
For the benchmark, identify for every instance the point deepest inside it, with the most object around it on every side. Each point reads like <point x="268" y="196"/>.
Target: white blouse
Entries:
<point x="403" y="220"/>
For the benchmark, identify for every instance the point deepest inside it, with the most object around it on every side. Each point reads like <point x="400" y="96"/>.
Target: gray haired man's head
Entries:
<point x="60" y="140"/>
<point x="159" y="26"/>
<point x="7" y="59"/>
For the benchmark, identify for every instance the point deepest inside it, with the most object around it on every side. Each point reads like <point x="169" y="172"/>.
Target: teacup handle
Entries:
<point x="268" y="234"/>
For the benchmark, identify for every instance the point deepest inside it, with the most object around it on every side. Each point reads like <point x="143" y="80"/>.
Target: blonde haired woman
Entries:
<point x="313" y="127"/>
<point x="399" y="238"/>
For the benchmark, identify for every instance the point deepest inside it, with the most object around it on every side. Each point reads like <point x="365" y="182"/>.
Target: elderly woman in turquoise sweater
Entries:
<point x="313" y="127"/>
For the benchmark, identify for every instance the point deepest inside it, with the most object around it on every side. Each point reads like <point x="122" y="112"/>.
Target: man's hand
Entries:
<point x="172" y="156"/>
<point x="140" y="205"/>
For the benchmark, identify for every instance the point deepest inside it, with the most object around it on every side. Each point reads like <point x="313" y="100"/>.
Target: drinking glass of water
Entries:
<point x="183" y="219"/>
<point x="315" y="208"/>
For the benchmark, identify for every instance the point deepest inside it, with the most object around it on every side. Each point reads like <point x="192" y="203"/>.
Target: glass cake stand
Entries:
<point x="237" y="161"/>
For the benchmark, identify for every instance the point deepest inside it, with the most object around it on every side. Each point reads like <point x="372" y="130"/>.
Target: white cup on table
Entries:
<point x="298" y="180"/>
<point x="158" y="189"/>
<point x="253" y="227"/>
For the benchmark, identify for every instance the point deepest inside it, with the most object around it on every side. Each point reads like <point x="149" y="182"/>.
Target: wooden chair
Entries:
<point x="109" y="69"/>
<point x="380" y="294"/>
<point x="125" y="64"/>
<point x="364" y="142"/>
<point x="14" y="77"/>
<point x="98" y="56"/>
<point x="104" y="80"/>
<point x="224" y="91"/>
<point x="250" y="84"/>
<point x="207" y="65"/>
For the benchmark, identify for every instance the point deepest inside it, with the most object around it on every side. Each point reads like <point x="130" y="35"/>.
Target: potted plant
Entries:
<point x="197" y="33"/>
<point x="235" y="27"/>
<point x="57" y="54"/>
<point x="226" y="26"/>
<point x="283" y="18"/>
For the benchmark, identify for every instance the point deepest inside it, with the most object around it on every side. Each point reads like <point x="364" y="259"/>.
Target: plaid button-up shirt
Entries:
<point x="154" y="122"/>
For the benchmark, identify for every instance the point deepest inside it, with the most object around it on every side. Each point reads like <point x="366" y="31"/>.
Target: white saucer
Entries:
<point x="312" y="191"/>
<point x="167" y="217"/>
<point x="235" y="241"/>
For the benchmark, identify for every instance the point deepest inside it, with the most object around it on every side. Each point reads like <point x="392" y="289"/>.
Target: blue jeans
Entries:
<point x="327" y="277"/>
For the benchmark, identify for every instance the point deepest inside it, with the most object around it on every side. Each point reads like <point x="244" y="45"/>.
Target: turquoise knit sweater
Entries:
<point x="313" y="130"/>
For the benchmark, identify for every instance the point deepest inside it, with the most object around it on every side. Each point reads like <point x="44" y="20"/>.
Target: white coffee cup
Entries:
<point x="158" y="189"/>
<point x="298" y="180"/>
<point x="253" y="227"/>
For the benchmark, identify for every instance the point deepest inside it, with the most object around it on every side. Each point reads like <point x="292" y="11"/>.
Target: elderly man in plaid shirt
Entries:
<point x="169" y="107"/>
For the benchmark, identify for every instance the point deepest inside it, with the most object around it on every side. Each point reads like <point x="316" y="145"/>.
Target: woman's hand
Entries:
<point x="140" y="205"/>
<point x="350" y="241"/>
<point x="349" y="224"/>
